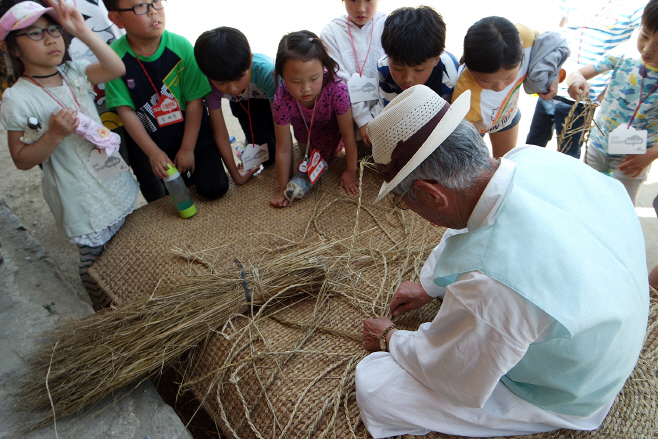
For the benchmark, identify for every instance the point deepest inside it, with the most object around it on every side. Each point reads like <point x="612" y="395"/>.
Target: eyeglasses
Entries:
<point x="143" y="8"/>
<point x="399" y="203"/>
<point x="37" y="34"/>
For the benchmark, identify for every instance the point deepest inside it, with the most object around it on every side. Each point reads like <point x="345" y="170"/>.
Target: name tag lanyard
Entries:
<point x="137" y="55"/>
<point x="251" y="129"/>
<point x="356" y="57"/>
<point x="303" y="165"/>
<point x="644" y="71"/>
<point x="54" y="98"/>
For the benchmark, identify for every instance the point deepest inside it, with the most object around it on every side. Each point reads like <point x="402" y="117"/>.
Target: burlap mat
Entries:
<point x="293" y="393"/>
<point x="240" y="225"/>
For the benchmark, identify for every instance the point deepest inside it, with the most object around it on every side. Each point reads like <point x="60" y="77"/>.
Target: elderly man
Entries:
<point x="542" y="275"/>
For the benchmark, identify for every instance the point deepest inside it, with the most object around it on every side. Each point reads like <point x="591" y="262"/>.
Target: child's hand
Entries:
<point x="69" y="17"/>
<point x="552" y="90"/>
<point x="579" y="88"/>
<point x="349" y="182"/>
<point x="63" y="123"/>
<point x="184" y="161"/>
<point x="279" y="200"/>
<point x="243" y="178"/>
<point x="159" y="161"/>
<point x="634" y="164"/>
<point x="364" y="135"/>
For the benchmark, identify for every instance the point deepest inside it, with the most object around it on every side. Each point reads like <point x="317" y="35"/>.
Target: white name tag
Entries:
<point x="362" y="88"/>
<point x="106" y="167"/>
<point x="624" y="140"/>
<point x="254" y="155"/>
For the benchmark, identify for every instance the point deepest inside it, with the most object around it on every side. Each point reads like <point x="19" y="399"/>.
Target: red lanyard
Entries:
<point x="142" y="66"/>
<point x="253" y="139"/>
<point x="644" y="71"/>
<point x="49" y="94"/>
<point x="372" y="22"/>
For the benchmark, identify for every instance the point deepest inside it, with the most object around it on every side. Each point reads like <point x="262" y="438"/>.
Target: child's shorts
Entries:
<point x="512" y="124"/>
<point x="609" y="164"/>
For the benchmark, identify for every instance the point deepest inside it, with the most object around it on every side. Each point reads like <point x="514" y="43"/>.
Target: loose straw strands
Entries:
<point x="568" y="129"/>
<point x="108" y="350"/>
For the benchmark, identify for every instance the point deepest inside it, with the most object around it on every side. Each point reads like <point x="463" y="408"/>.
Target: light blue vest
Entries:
<point x="568" y="240"/>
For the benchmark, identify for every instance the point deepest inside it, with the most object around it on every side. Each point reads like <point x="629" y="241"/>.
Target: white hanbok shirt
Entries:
<point x="451" y="367"/>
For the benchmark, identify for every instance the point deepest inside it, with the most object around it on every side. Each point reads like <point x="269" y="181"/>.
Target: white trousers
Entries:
<point x="392" y="403"/>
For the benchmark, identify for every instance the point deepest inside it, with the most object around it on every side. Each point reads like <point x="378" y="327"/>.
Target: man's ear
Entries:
<point x="432" y="192"/>
<point x="115" y="17"/>
<point x="3" y="47"/>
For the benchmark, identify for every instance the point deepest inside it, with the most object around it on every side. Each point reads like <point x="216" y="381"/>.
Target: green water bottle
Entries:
<point x="179" y="193"/>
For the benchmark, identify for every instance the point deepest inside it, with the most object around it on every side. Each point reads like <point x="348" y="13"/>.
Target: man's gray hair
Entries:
<point x="455" y="164"/>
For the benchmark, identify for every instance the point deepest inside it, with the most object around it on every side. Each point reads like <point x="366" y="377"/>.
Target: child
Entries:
<point x="317" y="105"/>
<point x="90" y="208"/>
<point x="247" y="80"/>
<point x="355" y="43"/>
<point x="160" y="102"/>
<point x="630" y="99"/>
<point x="495" y="63"/>
<point x="414" y="42"/>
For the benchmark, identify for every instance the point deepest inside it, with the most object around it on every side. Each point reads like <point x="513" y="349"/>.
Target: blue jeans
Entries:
<point x="550" y="115"/>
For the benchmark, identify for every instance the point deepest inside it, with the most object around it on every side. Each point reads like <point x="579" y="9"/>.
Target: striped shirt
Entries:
<point x="442" y="80"/>
<point x="594" y="28"/>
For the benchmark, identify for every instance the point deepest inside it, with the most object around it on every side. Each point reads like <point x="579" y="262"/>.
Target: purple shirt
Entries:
<point x="325" y="136"/>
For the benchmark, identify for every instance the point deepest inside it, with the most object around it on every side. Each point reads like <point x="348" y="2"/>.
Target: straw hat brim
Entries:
<point x="444" y="128"/>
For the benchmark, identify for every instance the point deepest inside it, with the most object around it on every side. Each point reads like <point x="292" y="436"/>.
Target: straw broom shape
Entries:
<point x="90" y="358"/>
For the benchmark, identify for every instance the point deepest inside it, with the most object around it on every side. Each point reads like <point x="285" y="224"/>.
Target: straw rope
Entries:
<point x="568" y="130"/>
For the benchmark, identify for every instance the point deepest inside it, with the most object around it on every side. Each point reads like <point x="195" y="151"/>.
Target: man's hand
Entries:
<point x="409" y="296"/>
<point x="373" y="330"/>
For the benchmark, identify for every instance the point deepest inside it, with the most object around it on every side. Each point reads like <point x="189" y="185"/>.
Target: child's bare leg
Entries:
<point x="503" y="142"/>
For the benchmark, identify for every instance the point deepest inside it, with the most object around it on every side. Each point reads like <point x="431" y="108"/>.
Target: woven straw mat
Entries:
<point x="240" y="225"/>
<point x="294" y="393"/>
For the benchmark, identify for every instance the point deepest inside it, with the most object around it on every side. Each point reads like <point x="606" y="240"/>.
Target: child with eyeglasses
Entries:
<point x="43" y="112"/>
<point x="160" y="102"/>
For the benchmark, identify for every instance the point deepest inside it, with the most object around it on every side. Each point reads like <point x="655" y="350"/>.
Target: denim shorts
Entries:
<point x="512" y="124"/>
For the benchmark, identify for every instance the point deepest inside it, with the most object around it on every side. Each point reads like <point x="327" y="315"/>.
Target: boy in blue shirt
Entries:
<point x="247" y="80"/>
<point x="414" y="42"/>
<point x="160" y="102"/>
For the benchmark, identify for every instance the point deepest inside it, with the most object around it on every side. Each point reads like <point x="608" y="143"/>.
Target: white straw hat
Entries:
<point x="409" y="129"/>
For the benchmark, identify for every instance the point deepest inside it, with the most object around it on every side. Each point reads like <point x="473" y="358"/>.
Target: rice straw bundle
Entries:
<point x="92" y="357"/>
<point x="587" y="115"/>
<point x="289" y="370"/>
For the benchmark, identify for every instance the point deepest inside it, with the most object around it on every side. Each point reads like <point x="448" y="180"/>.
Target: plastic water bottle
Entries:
<point x="179" y="193"/>
<point x="237" y="146"/>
